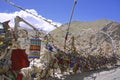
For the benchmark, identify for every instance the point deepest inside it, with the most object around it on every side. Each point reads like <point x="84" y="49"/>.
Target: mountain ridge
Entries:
<point x="89" y="34"/>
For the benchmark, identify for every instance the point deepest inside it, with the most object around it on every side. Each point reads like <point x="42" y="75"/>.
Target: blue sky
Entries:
<point x="60" y="10"/>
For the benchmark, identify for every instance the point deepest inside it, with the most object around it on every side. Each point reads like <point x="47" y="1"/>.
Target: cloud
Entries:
<point x="36" y="22"/>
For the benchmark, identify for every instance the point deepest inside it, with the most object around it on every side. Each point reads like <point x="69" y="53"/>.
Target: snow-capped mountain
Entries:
<point x="38" y="22"/>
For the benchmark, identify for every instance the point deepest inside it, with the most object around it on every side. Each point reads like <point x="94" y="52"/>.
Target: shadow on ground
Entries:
<point x="91" y="75"/>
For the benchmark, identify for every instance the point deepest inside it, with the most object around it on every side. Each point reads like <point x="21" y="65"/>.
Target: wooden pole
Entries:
<point x="67" y="33"/>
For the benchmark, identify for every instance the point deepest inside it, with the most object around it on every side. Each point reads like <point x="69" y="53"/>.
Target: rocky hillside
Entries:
<point x="101" y="36"/>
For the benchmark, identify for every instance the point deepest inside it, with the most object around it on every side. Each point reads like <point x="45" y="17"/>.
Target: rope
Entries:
<point x="19" y="7"/>
<point x="75" y="2"/>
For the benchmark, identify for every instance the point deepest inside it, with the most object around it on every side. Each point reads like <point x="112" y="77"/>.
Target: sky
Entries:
<point x="60" y="10"/>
